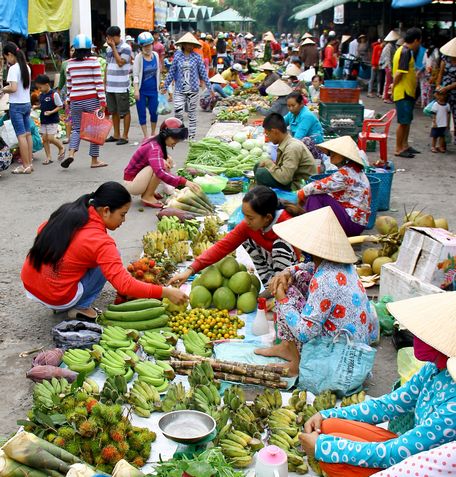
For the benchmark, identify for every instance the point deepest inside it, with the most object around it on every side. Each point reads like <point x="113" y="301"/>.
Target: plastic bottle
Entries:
<point x="260" y="325"/>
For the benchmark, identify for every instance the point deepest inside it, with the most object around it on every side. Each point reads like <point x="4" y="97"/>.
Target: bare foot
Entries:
<point x="279" y="351"/>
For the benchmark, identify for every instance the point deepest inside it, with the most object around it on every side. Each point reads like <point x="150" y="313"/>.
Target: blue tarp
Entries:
<point x="14" y="16"/>
<point x="409" y="3"/>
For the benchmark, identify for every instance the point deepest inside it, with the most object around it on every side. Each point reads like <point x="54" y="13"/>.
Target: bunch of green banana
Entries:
<point x="197" y="343"/>
<point x="284" y="420"/>
<point x="91" y="387"/>
<point x="353" y="399"/>
<point x="153" y="374"/>
<point x="156" y="345"/>
<point x="234" y="397"/>
<point x="325" y="400"/>
<point x="114" y="390"/>
<point x="143" y="398"/>
<point x="221" y="416"/>
<point x="298" y="400"/>
<point x="47" y="393"/>
<point x="204" y="397"/>
<point x="79" y="360"/>
<point x="119" y="363"/>
<point x="114" y="337"/>
<point x="265" y="403"/>
<point x="175" y="399"/>
<point x="315" y="466"/>
<point x="168" y="223"/>
<point x="307" y="412"/>
<point x="192" y="226"/>
<point x="296" y="463"/>
<point x="244" y="420"/>
<point x="202" y="373"/>
<point x="239" y="447"/>
<point x="170" y="337"/>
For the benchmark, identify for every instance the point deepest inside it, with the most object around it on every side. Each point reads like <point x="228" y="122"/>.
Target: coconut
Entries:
<point x="403" y="228"/>
<point x="441" y="223"/>
<point x="364" y="270"/>
<point x="378" y="262"/>
<point x="424" y="221"/>
<point x="386" y="225"/>
<point x="369" y="255"/>
<point x="411" y="216"/>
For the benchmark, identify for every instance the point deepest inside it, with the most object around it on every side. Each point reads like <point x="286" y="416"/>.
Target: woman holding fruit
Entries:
<point x="72" y="256"/>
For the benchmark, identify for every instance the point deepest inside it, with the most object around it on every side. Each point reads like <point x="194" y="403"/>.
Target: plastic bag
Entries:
<point x="407" y="364"/>
<point x="307" y="75"/>
<point x="235" y="218"/>
<point x="8" y="134"/>
<point x="76" y="334"/>
<point x="95" y="127"/>
<point x="385" y="319"/>
<point x="427" y="111"/>
<point x="164" y="107"/>
<point x="337" y="364"/>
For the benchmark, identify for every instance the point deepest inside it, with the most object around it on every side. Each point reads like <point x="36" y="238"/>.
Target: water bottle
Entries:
<point x="260" y="324"/>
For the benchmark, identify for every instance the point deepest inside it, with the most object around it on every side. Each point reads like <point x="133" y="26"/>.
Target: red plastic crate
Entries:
<point x="339" y="95"/>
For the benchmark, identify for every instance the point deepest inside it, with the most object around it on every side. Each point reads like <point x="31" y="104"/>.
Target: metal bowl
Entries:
<point x="186" y="426"/>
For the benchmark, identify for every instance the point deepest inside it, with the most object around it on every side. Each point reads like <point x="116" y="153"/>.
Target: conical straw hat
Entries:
<point x="279" y="88"/>
<point x="345" y="38"/>
<point x="451" y="366"/>
<point x="393" y="35"/>
<point x="308" y="41"/>
<point x="318" y="233"/>
<point x="267" y="67"/>
<point x="188" y="38"/>
<point x="431" y="318"/>
<point x="292" y="70"/>
<point x="218" y="78"/>
<point x="269" y="36"/>
<point x="449" y="49"/>
<point x="306" y="35"/>
<point x="345" y="146"/>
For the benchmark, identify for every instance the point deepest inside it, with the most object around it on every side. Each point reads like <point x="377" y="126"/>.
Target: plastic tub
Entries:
<point x="341" y="83"/>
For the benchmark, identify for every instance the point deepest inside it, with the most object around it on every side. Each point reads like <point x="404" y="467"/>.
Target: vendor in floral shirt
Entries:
<point x="347" y="191"/>
<point x="323" y="297"/>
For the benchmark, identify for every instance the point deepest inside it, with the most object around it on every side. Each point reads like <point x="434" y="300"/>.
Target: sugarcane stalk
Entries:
<point x="281" y="371"/>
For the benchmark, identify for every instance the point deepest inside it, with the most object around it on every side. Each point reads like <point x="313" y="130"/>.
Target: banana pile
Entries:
<point x="199" y="245"/>
<point x="265" y="403"/>
<point x="47" y="393"/>
<point x="114" y="390"/>
<point x="298" y="400"/>
<point x="238" y="446"/>
<point x="115" y="337"/>
<point x="174" y="241"/>
<point x="353" y="399"/>
<point x="79" y="360"/>
<point x="175" y="399"/>
<point x="204" y="397"/>
<point x="156" y="345"/>
<point x="234" y="398"/>
<point x="209" y="235"/>
<point x="244" y="420"/>
<point x="153" y="374"/>
<point x="143" y="398"/>
<point x="197" y="343"/>
<point x="202" y="373"/>
<point x="91" y="387"/>
<point x="118" y="362"/>
<point x="325" y="400"/>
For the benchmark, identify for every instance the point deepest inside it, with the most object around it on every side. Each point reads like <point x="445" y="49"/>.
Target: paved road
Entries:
<point x="427" y="181"/>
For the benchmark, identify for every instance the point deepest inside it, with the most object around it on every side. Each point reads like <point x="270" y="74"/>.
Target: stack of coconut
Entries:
<point x="390" y="239"/>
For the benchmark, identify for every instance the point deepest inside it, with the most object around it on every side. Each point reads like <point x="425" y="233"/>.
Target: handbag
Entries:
<point x="95" y="127"/>
<point x="337" y="364"/>
<point x="8" y="134"/>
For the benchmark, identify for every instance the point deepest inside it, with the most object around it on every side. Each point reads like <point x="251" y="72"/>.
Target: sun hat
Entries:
<point x="237" y="67"/>
<point x="362" y="35"/>
<point x="145" y="38"/>
<point x="209" y="37"/>
<point x="279" y="88"/>
<point x="345" y="38"/>
<point x="292" y="70"/>
<point x="332" y="33"/>
<point x="129" y="38"/>
<point x="308" y="41"/>
<point x="318" y="233"/>
<point x="203" y="36"/>
<point x="449" y="49"/>
<point x="189" y="39"/>
<point x="267" y="67"/>
<point x="269" y="36"/>
<point x="306" y="35"/>
<point x="345" y="146"/>
<point x="221" y="35"/>
<point x="432" y="319"/>
<point x="248" y="36"/>
<point x="218" y="78"/>
<point x="393" y="35"/>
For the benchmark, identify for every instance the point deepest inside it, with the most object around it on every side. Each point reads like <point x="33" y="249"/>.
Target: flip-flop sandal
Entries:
<point x="101" y="164"/>
<point x="412" y="150"/>
<point x="434" y="150"/>
<point x="66" y="162"/>
<point x="45" y="163"/>
<point x="441" y="149"/>
<point x="61" y="157"/>
<point x="74" y="313"/>
<point x="406" y="154"/>
<point x="156" y="205"/>
<point x="158" y="196"/>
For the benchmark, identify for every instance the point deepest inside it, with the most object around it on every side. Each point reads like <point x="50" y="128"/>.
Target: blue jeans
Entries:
<point x="93" y="282"/>
<point x="219" y="90"/>
<point x="20" y="117"/>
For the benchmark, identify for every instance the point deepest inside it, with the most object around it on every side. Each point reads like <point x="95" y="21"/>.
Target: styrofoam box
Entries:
<point x="400" y="285"/>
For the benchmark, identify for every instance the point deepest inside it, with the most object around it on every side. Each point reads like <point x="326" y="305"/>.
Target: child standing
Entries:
<point x="50" y="104"/>
<point x="440" y="122"/>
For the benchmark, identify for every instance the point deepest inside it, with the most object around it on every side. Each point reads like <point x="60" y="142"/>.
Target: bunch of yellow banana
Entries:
<point x="156" y="344"/>
<point x="179" y="252"/>
<point x="204" y="397"/>
<point x="265" y="403"/>
<point x="198" y="247"/>
<point x="175" y="399"/>
<point x="91" y="387"/>
<point x="283" y="420"/>
<point x="315" y="466"/>
<point x="307" y="412"/>
<point x="237" y="447"/>
<point x="79" y="360"/>
<point x="244" y="420"/>
<point x="296" y="463"/>
<point x="143" y="398"/>
<point x="325" y="400"/>
<point x="153" y="374"/>
<point x="353" y="399"/>
<point x="298" y="400"/>
<point x="47" y="393"/>
<point x="234" y="397"/>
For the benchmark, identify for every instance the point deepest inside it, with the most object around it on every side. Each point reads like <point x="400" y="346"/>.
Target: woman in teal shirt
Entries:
<point x="302" y="122"/>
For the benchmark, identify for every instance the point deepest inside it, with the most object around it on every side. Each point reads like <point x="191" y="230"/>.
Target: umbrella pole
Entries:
<point x="453" y="17"/>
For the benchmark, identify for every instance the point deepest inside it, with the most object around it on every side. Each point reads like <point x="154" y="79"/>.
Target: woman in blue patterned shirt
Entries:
<point x="347" y="441"/>
<point x="187" y="71"/>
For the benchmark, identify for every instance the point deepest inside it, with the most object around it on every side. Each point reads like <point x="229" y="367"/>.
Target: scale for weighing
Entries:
<point x="192" y="430"/>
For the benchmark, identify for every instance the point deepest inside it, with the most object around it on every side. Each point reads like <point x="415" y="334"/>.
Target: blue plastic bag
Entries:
<point x="427" y="111"/>
<point x="163" y="105"/>
<point x="335" y="364"/>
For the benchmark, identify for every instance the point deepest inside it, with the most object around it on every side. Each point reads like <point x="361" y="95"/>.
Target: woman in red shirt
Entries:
<point x="73" y="256"/>
<point x="330" y="58"/>
<point x="270" y="254"/>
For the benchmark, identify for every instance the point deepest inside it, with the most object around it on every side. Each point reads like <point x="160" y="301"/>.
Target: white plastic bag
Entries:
<point x="8" y="134"/>
<point x="307" y="75"/>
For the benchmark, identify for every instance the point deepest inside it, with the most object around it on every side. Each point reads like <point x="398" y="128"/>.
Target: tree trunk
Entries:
<point x="282" y="16"/>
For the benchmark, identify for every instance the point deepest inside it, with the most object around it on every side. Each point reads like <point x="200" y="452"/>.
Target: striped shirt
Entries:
<point x="84" y="80"/>
<point x="118" y="77"/>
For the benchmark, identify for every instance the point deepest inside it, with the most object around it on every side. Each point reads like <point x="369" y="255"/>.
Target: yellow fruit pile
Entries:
<point x="215" y="324"/>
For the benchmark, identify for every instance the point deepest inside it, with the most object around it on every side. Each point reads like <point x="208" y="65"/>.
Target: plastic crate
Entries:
<point x="339" y="95"/>
<point x="329" y="113"/>
<point x="341" y="83"/>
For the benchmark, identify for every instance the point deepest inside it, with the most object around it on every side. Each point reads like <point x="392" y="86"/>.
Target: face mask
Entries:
<point x="425" y="352"/>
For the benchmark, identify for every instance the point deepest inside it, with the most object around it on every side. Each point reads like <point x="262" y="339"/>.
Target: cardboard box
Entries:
<point x="400" y="285"/>
<point x="430" y="256"/>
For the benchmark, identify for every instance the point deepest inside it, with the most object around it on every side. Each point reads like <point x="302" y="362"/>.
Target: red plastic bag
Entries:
<point x="95" y="127"/>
